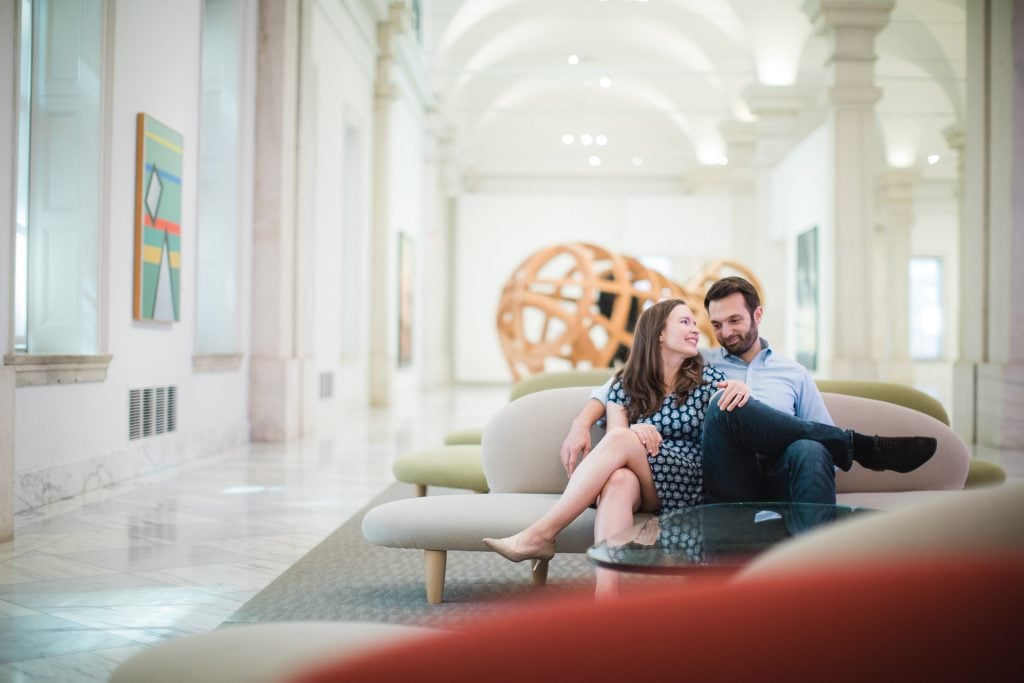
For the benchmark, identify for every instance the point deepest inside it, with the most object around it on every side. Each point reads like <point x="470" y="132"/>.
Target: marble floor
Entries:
<point x="89" y="581"/>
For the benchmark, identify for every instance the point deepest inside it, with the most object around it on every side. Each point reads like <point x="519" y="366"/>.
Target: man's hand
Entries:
<point x="649" y="437"/>
<point x="734" y="395"/>
<point x="575" y="447"/>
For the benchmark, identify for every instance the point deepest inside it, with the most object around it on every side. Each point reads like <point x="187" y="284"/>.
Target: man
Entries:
<point x="733" y="470"/>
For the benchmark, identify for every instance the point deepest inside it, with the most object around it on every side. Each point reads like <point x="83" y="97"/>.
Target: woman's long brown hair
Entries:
<point x="642" y="376"/>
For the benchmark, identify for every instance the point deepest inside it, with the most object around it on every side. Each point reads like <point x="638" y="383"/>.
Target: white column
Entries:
<point x="275" y="391"/>
<point x="8" y="93"/>
<point x="992" y="235"/>
<point x="382" y="295"/>
<point x="437" y="339"/>
<point x="892" y="291"/>
<point x="777" y="108"/>
<point x="969" y="313"/>
<point x="851" y="26"/>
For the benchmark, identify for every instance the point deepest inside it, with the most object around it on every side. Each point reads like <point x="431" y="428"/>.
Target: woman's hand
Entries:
<point x="734" y="394"/>
<point x="649" y="437"/>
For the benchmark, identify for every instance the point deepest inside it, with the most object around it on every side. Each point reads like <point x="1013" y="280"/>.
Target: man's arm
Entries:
<point x="577" y="442"/>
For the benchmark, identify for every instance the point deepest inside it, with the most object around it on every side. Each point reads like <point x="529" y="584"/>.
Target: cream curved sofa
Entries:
<point x="525" y="476"/>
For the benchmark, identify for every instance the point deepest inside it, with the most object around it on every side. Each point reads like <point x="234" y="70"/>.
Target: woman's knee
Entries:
<point x="620" y="437"/>
<point x="622" y="488"/>
<point x="622" y="480"/>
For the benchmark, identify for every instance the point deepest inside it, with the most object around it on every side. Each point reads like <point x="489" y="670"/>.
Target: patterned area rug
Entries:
<point x="346" y="578"/>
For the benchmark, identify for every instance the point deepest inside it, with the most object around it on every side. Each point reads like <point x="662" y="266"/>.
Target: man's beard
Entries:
<point x="743" y="345"/>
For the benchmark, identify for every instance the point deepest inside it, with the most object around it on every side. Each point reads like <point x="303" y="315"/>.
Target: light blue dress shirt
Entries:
<point x="774" y="380"/>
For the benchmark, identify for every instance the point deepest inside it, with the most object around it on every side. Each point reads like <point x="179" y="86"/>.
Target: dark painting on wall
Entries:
<point x="807" y="299"/>
<point x="405" y="299"/>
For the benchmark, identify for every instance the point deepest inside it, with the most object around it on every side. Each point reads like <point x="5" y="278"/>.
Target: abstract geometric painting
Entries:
<point x="158" y="166"/>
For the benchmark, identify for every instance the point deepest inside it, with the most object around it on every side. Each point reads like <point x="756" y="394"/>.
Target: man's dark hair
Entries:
<point x="728" y="286"/>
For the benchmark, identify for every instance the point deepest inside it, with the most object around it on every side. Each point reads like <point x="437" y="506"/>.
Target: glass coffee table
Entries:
<point x="722" y="536"/>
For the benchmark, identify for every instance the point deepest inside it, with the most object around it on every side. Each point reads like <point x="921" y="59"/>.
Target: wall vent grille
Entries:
<point x="151" y="411"/>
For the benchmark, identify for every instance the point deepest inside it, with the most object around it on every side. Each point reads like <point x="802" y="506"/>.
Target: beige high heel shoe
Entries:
<point x="503" y="547"/>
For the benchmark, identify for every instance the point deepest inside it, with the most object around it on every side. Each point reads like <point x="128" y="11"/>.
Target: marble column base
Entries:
<point x="275" y="398"/>
<point x="7" y="381"/>
<point x="46" y="485"/>
<point x="1000" y="407"/>
<point x="962" y="416"/>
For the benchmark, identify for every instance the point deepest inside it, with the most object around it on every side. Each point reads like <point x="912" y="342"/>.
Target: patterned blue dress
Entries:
<point x="676" y="468"/>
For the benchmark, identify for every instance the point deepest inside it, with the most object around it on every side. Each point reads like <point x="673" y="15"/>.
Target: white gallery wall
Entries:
<point x="407" y="229"/>
<point x="495" y="232"/>
<point x="71" y="438"/>
<point x="800" y="194"/>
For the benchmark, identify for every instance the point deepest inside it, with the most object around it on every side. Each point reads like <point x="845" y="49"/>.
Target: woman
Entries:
<point x="649" y="459"/>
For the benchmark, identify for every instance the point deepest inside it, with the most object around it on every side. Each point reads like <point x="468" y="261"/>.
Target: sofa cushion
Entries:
<point x="256" y="653"/>
<point x="543" y="381"/>
<point x="933" y="619"/>
<point x="522" y="441"/>
<point x="456" y="467"/>
<point x="968" y="522"/>
<point x="890" y="392"/>
<point x="461" y="437"/>
<point x="460" y="522"/>
<point x="947" y="469"/>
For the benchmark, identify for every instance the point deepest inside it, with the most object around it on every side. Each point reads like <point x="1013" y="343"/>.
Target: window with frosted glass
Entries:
<point x="926" y="318"/>
<point x="60" y="82"/>
<point x="217" y="234"/>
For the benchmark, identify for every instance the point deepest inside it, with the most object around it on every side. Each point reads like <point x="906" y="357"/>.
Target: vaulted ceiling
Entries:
<point x="659" y="78"/>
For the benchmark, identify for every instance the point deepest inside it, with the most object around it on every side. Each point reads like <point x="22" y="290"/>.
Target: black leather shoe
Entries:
<point x="896" y="453"/>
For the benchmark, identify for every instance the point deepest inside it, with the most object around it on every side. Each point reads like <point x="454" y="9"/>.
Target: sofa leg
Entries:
<point x="435" y="561"/>
<point x="421" y="490"/>
<point x="540" y="573"/>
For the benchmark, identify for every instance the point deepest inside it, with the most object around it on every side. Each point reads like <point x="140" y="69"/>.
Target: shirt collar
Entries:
<point x="764" y="354"/>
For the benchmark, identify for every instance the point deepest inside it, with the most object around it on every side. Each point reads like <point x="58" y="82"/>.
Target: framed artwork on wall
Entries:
<point x="807" y="299"/>
<point x="405" y="299"/>
<point x="158" y="166"/>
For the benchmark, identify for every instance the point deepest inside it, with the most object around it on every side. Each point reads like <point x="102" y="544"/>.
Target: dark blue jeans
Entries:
<point x="757" y="453"/>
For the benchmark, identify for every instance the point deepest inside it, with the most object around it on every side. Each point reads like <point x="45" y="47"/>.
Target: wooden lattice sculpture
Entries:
<point x="579" y="302"/>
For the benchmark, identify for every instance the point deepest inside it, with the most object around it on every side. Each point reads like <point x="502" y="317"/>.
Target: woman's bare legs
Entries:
<point x="620" y="498"/>
<point x="619" y="448"/>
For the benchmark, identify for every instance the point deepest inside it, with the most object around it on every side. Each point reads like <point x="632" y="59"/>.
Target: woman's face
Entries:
<point x="680" y="334"/>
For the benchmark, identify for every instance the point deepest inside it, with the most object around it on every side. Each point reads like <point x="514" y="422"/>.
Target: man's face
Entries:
<point x="734" y="328"/>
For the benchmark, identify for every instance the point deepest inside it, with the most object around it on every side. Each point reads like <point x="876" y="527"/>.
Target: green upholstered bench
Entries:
<point x="459" y="463"/>
<point x="458" y="466"/>
<point x="981" y="472"/>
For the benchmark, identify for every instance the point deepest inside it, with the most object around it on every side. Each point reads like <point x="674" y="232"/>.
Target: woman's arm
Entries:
<point x="617" y="416"/>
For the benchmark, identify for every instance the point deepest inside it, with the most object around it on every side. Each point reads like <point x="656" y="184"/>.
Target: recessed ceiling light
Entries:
<point x="601" y="139"/>
<point x="605" y="82"/>
<point x="933" y="159"/>
<point x="723" y="160"/>
<point x="574" y="59"/>
<point x="638" y="161"/>
<point x="586" y="139"/>
<point x="567" y="139"/>
<point x="594" y="161"/>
